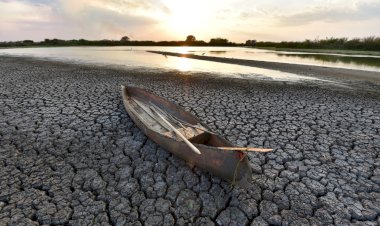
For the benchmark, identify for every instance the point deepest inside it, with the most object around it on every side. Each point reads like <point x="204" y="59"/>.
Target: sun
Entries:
<point x="186" y="17"/>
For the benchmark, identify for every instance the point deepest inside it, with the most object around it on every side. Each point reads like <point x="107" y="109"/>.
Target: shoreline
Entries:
<point x="324" y="78"/>
<point x="70" y="154"/>
<point x="307" y="70"/>
<point x="320" y="51"/>
<point x="325" y="51"/>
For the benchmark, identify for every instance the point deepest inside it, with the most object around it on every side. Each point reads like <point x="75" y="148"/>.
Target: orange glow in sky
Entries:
<point x="236" y="20"/>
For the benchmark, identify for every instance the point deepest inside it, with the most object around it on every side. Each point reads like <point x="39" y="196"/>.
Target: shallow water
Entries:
<point x="358" y="62"/>
<point x="137" y="57"/>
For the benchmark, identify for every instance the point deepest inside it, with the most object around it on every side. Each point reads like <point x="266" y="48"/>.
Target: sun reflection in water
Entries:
<point x="183" y="64"/>
<point x="183" y="49"/>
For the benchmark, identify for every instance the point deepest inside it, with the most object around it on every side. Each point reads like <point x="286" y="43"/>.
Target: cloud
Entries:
<point x="96" y="22"/>
<point x="292" y="21"/>
<point x="23" y="20"/>
<point x="13" y="12"/>
<point x="357" y="12"/>
<point x="236" y="20"/>
<point x="131" y="7"/>
<point x="68" y="19"/>
<point x="113" y="18"/>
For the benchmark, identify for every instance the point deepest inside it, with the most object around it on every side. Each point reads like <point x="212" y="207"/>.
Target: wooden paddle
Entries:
<point x="191" y="146"/>
<point x="150" y="113"/>
<point x="220" y="148"/>
<point x="245" y="149"/>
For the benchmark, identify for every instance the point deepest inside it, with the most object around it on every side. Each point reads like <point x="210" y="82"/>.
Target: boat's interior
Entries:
<point x="149" y="113"/>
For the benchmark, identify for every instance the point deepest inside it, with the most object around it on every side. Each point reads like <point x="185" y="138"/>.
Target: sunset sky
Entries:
<point x="236" y="20"/>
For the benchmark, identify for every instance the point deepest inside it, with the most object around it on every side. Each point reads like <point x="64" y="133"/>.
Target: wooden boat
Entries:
<point x="152" y="114"/>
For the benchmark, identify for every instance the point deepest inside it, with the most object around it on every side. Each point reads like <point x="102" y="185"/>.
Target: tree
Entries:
<point x="124" y="39"/>
<point x="28" y="42"/>
<point x="218" y="42"/>
<point x="190" y="38"/>
<point x="250" y="42"/>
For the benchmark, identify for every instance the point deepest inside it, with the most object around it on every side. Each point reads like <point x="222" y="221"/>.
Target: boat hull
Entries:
<point x="229" y="165"/>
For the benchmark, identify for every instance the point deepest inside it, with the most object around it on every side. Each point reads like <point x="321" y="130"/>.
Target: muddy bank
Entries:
<point x="71" y="155"/>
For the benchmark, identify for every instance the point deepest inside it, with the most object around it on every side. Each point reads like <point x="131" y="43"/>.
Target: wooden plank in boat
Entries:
<point x="188" y="132"/>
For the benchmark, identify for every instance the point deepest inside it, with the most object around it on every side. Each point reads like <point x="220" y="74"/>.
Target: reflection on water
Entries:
<point x="337" y="59"/>
<point x="183" y="49"/>
<point x="183" y="64"/>
<point x="218" y="52"/>
<point x="215" y="52"/>
<point x="137" y="57"/>
<point x="359" y="62"/>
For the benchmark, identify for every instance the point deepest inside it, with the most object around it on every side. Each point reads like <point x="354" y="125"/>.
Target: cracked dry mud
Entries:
<point x="70" y="155"/>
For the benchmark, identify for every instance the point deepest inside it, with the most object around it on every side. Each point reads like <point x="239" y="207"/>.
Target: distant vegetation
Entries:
<point x="366" y="44"/>
<point x="124" y="41"/>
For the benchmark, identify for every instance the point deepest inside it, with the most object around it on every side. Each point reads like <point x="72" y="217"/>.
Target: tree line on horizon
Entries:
<point x="124" y="41"/>
<point x="367" y="44"/>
